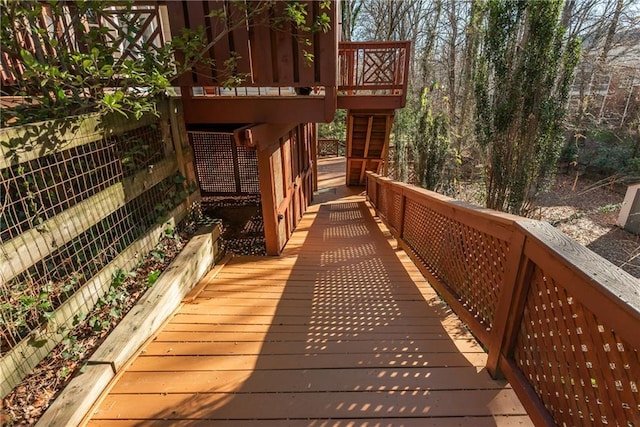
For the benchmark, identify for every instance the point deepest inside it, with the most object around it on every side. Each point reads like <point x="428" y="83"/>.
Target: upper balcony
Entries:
<point x="281" y="74"/>
<point x="373" y="75"/>
<point x="286" y="76"/>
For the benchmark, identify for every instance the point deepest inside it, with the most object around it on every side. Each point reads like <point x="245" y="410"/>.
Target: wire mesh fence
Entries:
<point x="37" y="190"/>
<point x="222" y="167"/>
<point x="41" y="189"/>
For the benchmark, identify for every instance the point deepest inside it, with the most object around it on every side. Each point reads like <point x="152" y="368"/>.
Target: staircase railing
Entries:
<point x="558" y="321"/>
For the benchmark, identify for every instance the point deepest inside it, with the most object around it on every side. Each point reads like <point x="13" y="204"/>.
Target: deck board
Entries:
<point x="341" y="330"/>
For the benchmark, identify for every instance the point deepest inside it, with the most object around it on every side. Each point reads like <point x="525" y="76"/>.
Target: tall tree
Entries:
<point x="350" y="12"/>
<point x="522" y="83"/>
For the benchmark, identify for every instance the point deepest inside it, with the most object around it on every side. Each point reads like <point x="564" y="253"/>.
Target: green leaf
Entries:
<point x="27" y="57"/>
<point x="37" y="343"/>
<point x="153" y="277"/>
<point x="179" y="179"/>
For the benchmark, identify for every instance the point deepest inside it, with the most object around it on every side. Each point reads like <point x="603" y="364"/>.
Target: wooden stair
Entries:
<point x="367" y="143"/>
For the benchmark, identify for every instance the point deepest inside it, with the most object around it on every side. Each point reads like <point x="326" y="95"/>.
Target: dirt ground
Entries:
<point x="588" y="213"/>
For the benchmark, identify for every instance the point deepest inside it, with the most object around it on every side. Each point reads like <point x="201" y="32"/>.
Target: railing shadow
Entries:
<point x="354" y="341"/>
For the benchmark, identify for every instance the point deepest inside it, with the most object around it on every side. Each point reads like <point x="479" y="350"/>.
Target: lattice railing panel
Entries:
<point x="129" y="31"/>
<point x="557" y="320"/>
<point x="378" y="66"/>
<point x="395" y="208"/>
<point x="329" y="148"/>
<point x="373" y="191"/>
<point x="469" y="262"/>
<point x="141" y="21"/>
<point x="583" y="372"/>
<point x="383" y="200"/>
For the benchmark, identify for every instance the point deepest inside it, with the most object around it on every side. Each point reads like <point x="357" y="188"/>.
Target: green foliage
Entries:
<point x="87" y="74"/>
<point x="337" y="129"/>
<point x="611" y="207"/>
<point x="152" y="277"/>
<point x="432" y="145"/>
<point x="608" y="159"/>
<point x="84" y="66"/>
<point x="522" y="82"/>
<point x="114" y="300"/>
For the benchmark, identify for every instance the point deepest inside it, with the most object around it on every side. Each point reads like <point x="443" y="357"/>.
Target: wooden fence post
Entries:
<point x="510" y="303"/>
<point x="182" y="147"/>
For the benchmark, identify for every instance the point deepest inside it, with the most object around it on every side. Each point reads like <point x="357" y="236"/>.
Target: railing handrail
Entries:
<point x="585" y="305"/>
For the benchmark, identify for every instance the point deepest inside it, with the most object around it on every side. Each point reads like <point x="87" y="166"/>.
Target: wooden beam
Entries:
<point x="182" y="148"/>
<point x="385" y="145"/>
<point x="240" y="38"/>
<point x="283" y="54"/>
<point x="367" y="140"/>
<point x="260" y="41"/>
<point x="29" y="142"/>
<point x="303" y="67"/>
<point x="261" y="135"/>
<point x="268" y="198"/>
<point x="221" y="51"/>
<point x="252" y="109"/>
<point x="326" y="49"/>
<point x="363" y="169"/>
<point x="76" y="399"/>
<point x="196" y="16"/>
<point x="364" y="102"/>
<point x="177" y="22"/>
<point x="510" y="306"/>
<point x="313" y="145"/>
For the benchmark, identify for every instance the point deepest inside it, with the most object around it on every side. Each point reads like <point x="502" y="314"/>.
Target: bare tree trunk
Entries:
<point x="453" y="21"/>
<point x="471" y="50"/>
<point x="613" y="25"/>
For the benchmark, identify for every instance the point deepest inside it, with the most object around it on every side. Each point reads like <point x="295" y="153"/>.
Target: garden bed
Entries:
<point x="29" y="400"/>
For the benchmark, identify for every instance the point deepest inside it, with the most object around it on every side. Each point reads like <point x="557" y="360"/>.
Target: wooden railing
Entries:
<point x="263" y="47"/>
<point x="330" y="148"/>
<point x="558" y="321"/>
<point x="379" y="68"/>
<point x="66" y="28"/>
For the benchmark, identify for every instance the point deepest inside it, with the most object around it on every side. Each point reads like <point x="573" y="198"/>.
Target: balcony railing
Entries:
<point x="373" y="69"/>
<point x="67" y="28"/>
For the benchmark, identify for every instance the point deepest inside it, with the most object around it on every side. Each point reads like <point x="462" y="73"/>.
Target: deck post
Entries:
<point x="267" y="198"/>
<point x="181" y="146"/>
<point x="510" y="304"/>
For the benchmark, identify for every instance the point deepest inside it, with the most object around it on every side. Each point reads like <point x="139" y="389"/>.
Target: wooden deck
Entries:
<point x="342" y="330"/>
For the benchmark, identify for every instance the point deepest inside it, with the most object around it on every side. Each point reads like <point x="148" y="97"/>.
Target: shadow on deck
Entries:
<point x="341" y="330"/>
